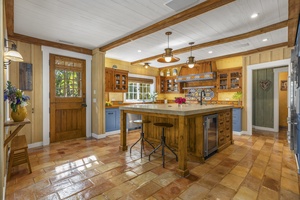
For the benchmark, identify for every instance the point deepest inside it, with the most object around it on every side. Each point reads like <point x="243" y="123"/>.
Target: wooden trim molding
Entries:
<point x="170" y="21"/>
<point x="266" y="29"/>
<point x="32" y="40"/>
<point x="235" y="54"/>
<point x="9" y="12"/>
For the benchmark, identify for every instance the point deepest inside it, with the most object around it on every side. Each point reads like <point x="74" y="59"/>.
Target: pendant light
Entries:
<point x="12" y="53"/>
<point x="167" y="57"/>
<point x="191" y="60"/>
<point x="146" y="65"/>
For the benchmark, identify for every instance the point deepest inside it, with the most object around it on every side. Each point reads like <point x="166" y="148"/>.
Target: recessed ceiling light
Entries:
<point x="265" y="39"/>
<point x="139" y="51"/>
<point x="210" y="52"/>
<point x="254" y="15"/>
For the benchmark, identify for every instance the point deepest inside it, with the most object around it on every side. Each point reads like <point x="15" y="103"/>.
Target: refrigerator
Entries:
<point x="293" y="134"/>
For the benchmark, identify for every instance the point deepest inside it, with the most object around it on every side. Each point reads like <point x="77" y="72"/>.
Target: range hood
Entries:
<point x="197" y="77"/>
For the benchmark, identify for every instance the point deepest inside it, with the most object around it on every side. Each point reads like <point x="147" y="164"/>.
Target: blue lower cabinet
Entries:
<point x="237" y="119"/>
<point x="112" y="119"/>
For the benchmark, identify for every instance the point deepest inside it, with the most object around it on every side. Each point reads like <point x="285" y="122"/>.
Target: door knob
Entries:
<point x="83" y="105"/>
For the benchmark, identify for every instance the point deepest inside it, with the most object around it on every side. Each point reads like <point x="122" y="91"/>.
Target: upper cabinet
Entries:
<point x="116" y="80"/>
<point x="167" y="82"/>
<point x="229" y="80"/>
<point x="168" y="85"/>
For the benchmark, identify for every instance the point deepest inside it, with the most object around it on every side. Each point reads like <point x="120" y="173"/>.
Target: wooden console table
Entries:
<point x="19" y="125"/>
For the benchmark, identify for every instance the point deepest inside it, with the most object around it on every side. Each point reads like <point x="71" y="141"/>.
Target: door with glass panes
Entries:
<point x="67" y="98"/>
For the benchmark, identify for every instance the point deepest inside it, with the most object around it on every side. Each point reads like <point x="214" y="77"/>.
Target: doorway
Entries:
<point x="67" y="98"/>
<point x="250" y="69"/>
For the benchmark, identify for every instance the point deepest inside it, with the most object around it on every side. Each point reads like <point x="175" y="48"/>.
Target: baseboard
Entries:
<point x="101" y="136"/>
<point x="33" y="145"/>
<point x="236" y="133"/>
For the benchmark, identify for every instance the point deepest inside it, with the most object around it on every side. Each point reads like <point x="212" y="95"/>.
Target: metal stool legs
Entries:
<point x="163" y="145"/>
<point x="142" y="139"/>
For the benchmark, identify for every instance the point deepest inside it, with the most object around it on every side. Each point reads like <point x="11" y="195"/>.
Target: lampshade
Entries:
<point x="168" y="57"/>
<point x="191" y="60"/>
<point x="12" y="54"/>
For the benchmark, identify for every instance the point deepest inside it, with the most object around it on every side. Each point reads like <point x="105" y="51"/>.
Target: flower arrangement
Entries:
<point x="15" y="96"/>
<point x="237" y="95"/>
<point x="180" y="100"/>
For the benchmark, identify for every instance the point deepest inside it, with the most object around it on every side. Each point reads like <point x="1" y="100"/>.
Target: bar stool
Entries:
<point x="142" y="134"/>
<point x="163" y="141"/>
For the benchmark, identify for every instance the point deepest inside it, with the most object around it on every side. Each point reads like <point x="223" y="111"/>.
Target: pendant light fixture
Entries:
<point x="146" y="65"/>
<point x="191" y="60"/>
<point x="12" y="54"/>
<point x="167" y="57"/>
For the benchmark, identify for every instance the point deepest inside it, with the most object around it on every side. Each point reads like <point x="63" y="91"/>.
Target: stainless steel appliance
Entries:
<point x="210" y="134"/>
<point x="130" y="119"/>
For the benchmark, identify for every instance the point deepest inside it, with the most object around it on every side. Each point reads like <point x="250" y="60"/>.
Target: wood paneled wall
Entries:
<point x="31" y="54"/>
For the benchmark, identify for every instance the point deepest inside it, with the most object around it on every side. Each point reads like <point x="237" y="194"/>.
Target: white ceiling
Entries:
<point x="95" y="23"/>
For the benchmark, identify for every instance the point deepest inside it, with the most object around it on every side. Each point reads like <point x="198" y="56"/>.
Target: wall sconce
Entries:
<point x="11" y="54"/>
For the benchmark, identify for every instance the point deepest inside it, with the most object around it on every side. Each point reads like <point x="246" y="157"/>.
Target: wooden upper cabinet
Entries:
<point x="168" y="84"/>
<point x="109" y="78"/>
<point x="229" y="80"/>
<point x="116" y="80"/>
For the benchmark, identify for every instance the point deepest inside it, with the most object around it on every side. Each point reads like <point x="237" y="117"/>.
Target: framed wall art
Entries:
<point x="283" y="85"/>
<point x="25" y="76"/>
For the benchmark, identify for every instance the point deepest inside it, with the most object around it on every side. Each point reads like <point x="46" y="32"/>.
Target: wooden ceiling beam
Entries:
<point x="294" y="11"/>
<point x="266" y="29"/>
<point x="9" y="13"/>
<point x="170" y="21"/>
<point x="244" y="53"/>
<point x="32" y="40"/>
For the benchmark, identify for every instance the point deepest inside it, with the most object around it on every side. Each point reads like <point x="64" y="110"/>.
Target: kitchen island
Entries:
<point x="186" y="135"/>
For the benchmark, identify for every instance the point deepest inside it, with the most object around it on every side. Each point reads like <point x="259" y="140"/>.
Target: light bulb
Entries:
<point x="168" y="59"/>
<point x="191" y="65"/>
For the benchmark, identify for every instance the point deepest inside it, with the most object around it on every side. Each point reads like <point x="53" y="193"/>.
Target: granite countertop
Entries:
<point x="174" y="109"/>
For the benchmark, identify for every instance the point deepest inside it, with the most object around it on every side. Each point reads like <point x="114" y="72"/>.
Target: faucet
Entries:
<point x="202" y="94"/>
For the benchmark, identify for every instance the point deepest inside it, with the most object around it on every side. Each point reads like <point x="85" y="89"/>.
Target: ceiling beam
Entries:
<point x="9" y="13"/>
<point x="32" y="40"/>
<point x="294" y="11"/>
<point x="266" y="29"/>
<point x="244" y="53"/>
<point x="170" y="21"/>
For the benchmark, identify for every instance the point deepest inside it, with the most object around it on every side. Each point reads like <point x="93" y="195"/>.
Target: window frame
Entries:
<point x="152" y="88"/>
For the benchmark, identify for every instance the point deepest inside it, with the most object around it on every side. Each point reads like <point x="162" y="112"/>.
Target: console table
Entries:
<point x="19" y="125"/>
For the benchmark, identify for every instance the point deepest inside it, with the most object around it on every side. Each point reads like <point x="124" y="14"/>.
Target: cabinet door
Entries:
<point x="117" y="119"/>
<point x="237" y="119"/>
<point x="222" y="81"/>
<point x="109" y="79"/>
<point x="121" y="81"/>
<point x="110" y="120"/>
<point x="160" y="84"/>
<point x="235" y="80"/>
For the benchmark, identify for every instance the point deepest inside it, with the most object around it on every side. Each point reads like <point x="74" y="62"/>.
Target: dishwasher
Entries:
<point x="210" y="134"/>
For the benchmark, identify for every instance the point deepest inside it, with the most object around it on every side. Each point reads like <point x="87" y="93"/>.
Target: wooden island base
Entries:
<point x="186" y="136"/>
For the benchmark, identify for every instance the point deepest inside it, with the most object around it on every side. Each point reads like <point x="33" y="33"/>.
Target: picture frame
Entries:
<point x="283" y="85"/>
<point x="25" y="76"/>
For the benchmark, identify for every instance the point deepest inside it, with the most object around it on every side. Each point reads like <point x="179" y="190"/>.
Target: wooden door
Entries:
<point x="67" y="98"/>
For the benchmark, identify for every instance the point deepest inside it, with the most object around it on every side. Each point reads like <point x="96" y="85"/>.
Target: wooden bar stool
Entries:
<point x="142" y="134"/>
<point x="18" y="153"/>
<point x="163" y="141"/>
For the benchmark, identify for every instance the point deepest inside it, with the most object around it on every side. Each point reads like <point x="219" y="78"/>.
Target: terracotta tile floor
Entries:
<point x="260" y="166"/>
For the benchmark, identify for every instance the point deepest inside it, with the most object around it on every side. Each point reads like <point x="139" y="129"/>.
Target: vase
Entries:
<point x="20" y="114"/>
<point x="180" y="105"/>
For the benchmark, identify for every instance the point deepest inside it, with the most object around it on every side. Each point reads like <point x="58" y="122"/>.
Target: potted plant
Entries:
<point x="238" y="96"/>
<point x="18" y="102"/>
